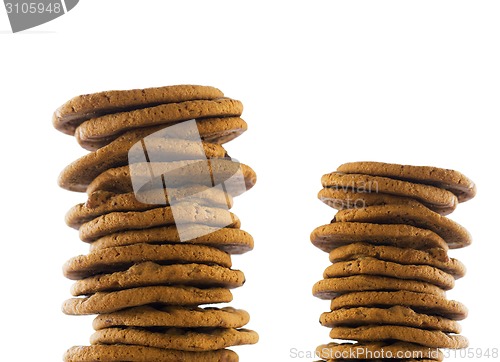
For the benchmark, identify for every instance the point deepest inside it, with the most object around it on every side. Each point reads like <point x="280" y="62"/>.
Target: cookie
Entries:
<point x="104" y="202"/>
<point x="360" y="350"/>
<point x="420" y="302"/>
<point x="106" y="302"/>
<point x="80" y="173"/>
<point x="454" y="181"/>
<point x="110" y="126"/>
<point x="184" y="213"/>
<point x="122" y="257"/>
<point x="348" y="199"/>
<point x="180" y="174"/>
<point x="396" y="315"/>
<point x="218" y="130"/>
<point x="437" y="258"/>
<point x="330" y="236"/>
<point x="333" y="287"/>
<point x="118" y="352"/>
<point x="455" y="235"/>
<point x="169" y="316"/>
<point x="230" y="240"/>
<point x="433" y="339"/>
<point x="176" y="339"/>
<point x="149" y="273"/>
<point x="81" y="108"/>
<point x="371" y="266"/>
<point x="431" y="196"/>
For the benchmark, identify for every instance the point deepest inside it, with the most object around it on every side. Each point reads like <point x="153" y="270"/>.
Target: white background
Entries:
<point x="322" y="82"/>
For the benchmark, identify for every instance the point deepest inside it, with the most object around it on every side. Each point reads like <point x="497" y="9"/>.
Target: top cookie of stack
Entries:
<point x="388" y="245"/>
<point x="160" y="186"/>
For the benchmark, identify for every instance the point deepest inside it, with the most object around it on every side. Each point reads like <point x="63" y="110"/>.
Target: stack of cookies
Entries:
<point x="159" y="188"/>
<point x="388" y="245"/>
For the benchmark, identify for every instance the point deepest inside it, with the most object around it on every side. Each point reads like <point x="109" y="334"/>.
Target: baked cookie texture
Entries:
<point x="159" y="185"/>
<point x="388" y="245"/>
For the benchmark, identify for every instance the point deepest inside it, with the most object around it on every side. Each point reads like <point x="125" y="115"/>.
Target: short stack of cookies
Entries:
<point x="151" y="286"/>
<point x="388" y="245"/>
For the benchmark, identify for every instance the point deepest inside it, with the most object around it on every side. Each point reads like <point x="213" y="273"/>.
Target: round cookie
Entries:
<point x="396" y="315"/>
<point x="331" y="236"/>
<point x="333" y="287"/>
<point x="431" y="196"/>
<point x="106" y="302"/>
<point x="433" y="339"/>
<point x="122" y="257"/>
<point x="184" y="213"/>
<point x="180" y="174"/>
<point x="104" y="202"/>
<point x="108" y="127"/>
<point x="454" y="181"/>
<point x="149" y="273"/>
<point x="116" y="353"/>
<point x="420" y="302"/>
<point x="371" y="266"/>
<point x="360" y="350"/>
<point x="176" y="339"/>
<point x="230" y="240"/>
<point x="80" y="173"/>
<point x="81" y="108"/>
<point x="349" y="199"/>
<point x="217" y="130"/>
<point x="220" y="130"/>
<point x="169" y="316"/>
<point x="417" y="215"/>
<point x="437" y="258"/>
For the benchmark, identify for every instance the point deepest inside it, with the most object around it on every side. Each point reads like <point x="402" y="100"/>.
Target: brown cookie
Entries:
<point x="104" y="202"/>
<point x="396" y="315"/>
<point x="454" y="181"/>
<point x="149" y="273"/>
<point x="390" y="350"/>
<point x="81" y="108"/>
<point x="218" y="130"/>
<point x="106" y="302"/>
<point x="437" y="258"/>
<point x="184" y="213"/>
<point x="348" y="199"/>
<point x="333" y="287"/>
<point x="417" y="215"/>
<point x="370" y="266"/>
<point x="180" y="174"/>
<point x="176" y="339"/>
<point x="431" y="196"/>
<point x="168" y="316"/>
<point x="122" y="257"/>
<point x="433" y="339"/>
<point x="331" y="236"/>
<point x="110" y="126"/>
<point x="420" y="302"/>
<point x="80" y="173"/>
<point x="232" y="241"/>
<point x="118" y="352"/>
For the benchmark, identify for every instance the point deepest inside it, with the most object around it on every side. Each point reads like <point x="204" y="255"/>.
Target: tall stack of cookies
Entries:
<point x="388" y="245"/>
<point x="159" y="188"/>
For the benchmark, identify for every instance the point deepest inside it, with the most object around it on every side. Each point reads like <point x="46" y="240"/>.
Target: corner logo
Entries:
<point x="28" y="14"/>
